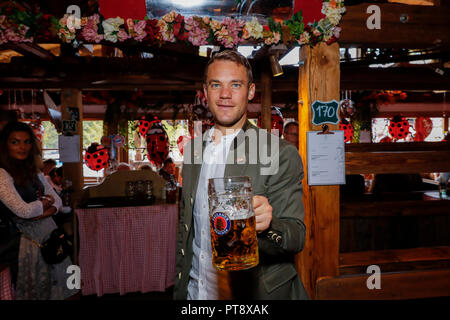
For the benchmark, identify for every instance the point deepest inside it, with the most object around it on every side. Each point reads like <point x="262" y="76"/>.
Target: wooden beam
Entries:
<point x="425" y="27"/>
<point x="71" y="98"/>
<point x="266" y="99"/>
<point x="394" y="78"/>
<point x="394" y="286"/>
<point x="397" y="158"/>
<point x="318" y="80"/>
<point x="350" y="209"/>
<point x="393" y="260"/>
<point x="31" y="49"/>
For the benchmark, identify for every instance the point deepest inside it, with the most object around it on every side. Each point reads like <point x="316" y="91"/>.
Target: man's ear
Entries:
<point x="251" y="91"/>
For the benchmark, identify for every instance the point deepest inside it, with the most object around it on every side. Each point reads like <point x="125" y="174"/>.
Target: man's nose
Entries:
<point x="225" y="92"/>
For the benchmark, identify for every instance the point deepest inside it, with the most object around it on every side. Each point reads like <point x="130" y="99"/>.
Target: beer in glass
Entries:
<point x="232" y="223"/>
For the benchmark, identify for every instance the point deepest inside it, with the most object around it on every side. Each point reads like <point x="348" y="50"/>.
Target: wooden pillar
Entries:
<point x="71" y="98"/>
<point x="319" y="79"/>
<point x="266" y="98"/>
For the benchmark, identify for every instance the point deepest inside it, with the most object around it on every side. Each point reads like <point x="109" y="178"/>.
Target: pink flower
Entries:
<point x="122" y="35"/>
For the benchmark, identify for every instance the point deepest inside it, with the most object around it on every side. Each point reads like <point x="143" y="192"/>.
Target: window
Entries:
<point x="380" y="129"/>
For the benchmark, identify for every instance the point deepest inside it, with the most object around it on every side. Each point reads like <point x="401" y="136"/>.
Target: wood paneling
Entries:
<point x="397" y="162"/>
<point x="394" y="208"/>
<point x="394" y="286"/>
<point x="394" y="260"/>
<point x="393" y="33"/>
<point x="318" y="80"/>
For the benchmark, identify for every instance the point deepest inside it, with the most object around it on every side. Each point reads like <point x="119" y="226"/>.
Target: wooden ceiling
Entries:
<point x="174" y="72"/>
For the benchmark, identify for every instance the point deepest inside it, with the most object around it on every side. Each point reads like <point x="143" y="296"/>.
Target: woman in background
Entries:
<point x="30" y="201"/>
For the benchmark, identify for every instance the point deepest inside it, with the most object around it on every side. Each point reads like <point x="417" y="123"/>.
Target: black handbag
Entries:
<point x="57" y="247"/>
<point x="9" y="244"/>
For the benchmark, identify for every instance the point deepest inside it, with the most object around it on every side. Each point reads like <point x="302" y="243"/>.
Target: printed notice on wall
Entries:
<point x="326" y="158"/>
<point x="69" y="148"/>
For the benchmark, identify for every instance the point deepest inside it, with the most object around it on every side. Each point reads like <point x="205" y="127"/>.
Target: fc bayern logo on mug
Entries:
<point x="221" y="223"/>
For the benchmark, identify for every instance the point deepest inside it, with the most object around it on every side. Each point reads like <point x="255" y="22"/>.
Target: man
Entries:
<point x="277" y="202"/>
<point x="48" y="166"/>
<point x="290" y="133"/>
<point x="55" y="179"/>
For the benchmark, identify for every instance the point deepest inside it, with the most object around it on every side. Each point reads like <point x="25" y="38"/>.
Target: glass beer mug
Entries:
<point x="232" y="223"/>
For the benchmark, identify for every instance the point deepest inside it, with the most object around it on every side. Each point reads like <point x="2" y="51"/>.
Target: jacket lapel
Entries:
<point x="237" y="161"/>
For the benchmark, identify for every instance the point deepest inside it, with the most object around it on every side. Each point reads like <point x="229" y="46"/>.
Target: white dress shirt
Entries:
<point x="204" y="277"/>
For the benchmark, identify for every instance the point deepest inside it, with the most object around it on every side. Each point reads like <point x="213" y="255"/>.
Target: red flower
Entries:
<point x="152" y="30"/>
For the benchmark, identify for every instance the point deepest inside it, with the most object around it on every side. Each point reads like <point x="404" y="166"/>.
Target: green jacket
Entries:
<point x="276" y="276"/>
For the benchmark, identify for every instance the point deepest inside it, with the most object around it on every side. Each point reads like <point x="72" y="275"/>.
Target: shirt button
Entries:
<point x="201" y="282"/>
<point x="192" y="201"/>
<point x="182" y="252"/>
<point x="179" y="275"/>
<point x="186" y="227"/>
<point x="203" y="232"/>
<point x="202" y="256"/>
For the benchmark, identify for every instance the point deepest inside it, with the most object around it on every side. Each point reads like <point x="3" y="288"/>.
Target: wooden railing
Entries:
<point x="410" y="273"/>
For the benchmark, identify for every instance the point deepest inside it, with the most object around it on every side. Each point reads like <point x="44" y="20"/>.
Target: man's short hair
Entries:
<point x="234" y="56"/>
<point x="50" y="162"/>
<point x="289" y="124"/>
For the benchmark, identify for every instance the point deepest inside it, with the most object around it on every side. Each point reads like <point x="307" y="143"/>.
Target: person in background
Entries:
<point x="55" y="179"/>
<point x="123" y="167"/>
<point x="290" y="133"/>
<point x="7" y="116"/>
<point x="145" y="167"/>
<point x="48" y="166"/>
<point x="167" y="169"/>
<point x="28" y="199"/>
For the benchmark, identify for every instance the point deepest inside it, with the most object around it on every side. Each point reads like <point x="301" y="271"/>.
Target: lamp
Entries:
<point x="277" y="70"/>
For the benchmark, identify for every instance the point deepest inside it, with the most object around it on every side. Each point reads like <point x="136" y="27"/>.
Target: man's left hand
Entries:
<point x="263" y="213"/>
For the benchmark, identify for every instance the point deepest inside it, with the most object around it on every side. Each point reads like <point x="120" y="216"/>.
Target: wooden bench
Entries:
<point x="394" y="286"/>
<point x="395" y="260"/>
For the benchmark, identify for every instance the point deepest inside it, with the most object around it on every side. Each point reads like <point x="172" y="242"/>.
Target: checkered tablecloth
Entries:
<point x="6" y="290"/>
<point x="127" y="249"/>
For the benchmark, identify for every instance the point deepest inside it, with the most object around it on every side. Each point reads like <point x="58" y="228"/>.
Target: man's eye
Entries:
<point x="14" y="141"/>
<point x="28" y="141"/>
<point x="215" y="85"/>
<point x="236" y="85"/>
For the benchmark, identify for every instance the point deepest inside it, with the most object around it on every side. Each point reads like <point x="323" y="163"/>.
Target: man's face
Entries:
<point x="291" y="135"/>
<point x="228" y="93"/>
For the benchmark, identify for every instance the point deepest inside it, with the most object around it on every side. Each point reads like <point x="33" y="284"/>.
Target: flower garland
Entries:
<point x="16" y="25"/>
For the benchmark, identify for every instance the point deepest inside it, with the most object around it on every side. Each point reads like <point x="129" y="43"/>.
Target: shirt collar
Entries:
<point x="225" y="138"/>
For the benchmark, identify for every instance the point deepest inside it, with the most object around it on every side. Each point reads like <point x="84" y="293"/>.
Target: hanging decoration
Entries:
<point x="157" y="144"/>
<point x="346" y="105"/>
<point x="96" y="157"/>
<point x="113" y="143"/>
<point x="277" y="121"/>
<point x="345" y="125"/>
<point x="398" y="127"/>
<point x="144" y="124"/>
<point x="19" y="24"/>
<point x="199" y="115"/>
<point x="181" y="143"/>
<point x="423" y="127"/>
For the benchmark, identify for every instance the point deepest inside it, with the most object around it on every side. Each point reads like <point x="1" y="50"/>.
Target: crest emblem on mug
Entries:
<point x="221" y="223"/>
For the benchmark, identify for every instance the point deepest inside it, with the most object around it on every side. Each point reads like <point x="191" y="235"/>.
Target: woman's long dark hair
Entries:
<point x="22" y="171"/>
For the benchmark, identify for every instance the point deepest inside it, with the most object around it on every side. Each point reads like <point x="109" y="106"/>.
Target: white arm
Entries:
<point x="49" y="190"/>
<point x="11" y="199"/>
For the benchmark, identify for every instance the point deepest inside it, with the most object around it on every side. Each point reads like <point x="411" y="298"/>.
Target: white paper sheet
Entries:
<point x="326" y="158"/>
<point x="69" y="148"/>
